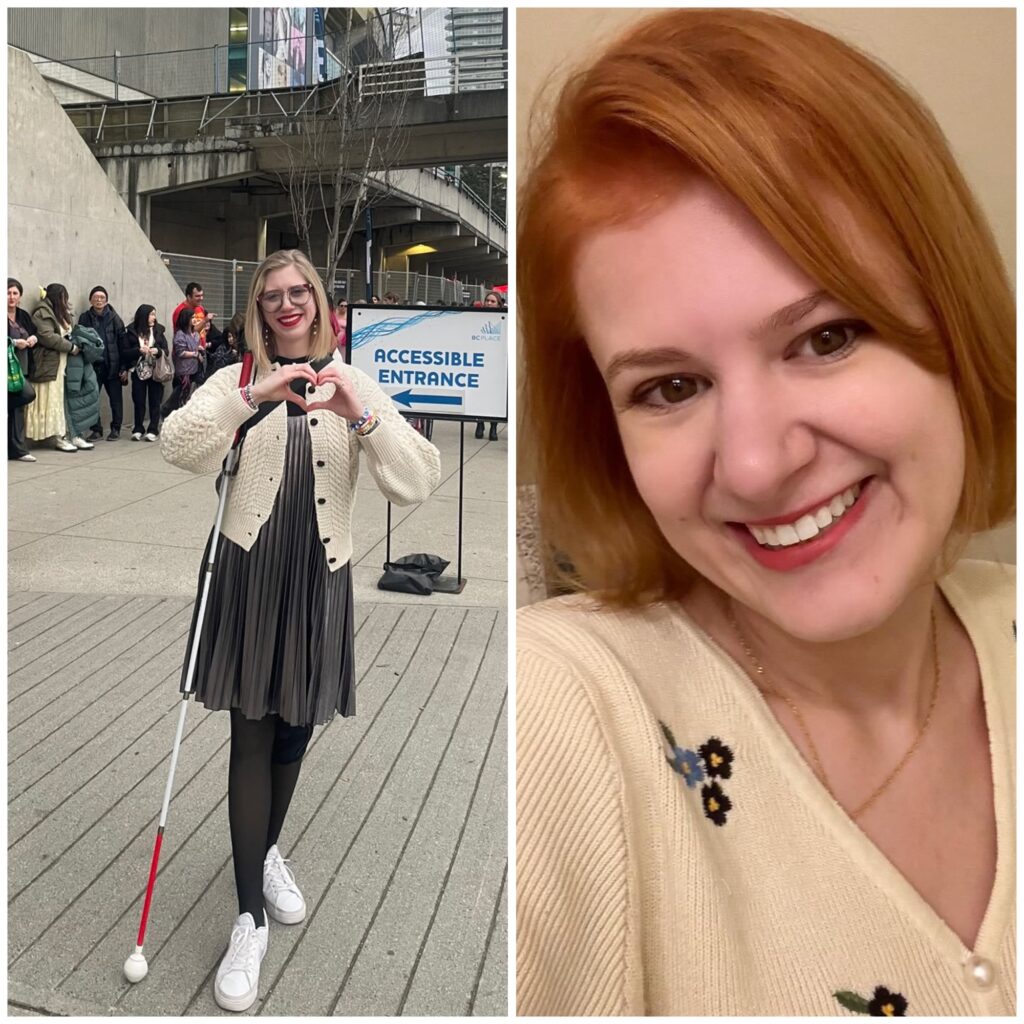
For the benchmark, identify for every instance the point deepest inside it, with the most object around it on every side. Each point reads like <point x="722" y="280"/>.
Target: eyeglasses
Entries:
<point x="271" y="302"/>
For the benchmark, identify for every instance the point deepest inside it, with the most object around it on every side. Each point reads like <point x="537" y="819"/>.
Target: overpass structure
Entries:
<point x="168" y="156"/>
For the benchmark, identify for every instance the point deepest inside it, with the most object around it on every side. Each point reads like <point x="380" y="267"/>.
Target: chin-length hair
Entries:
<point x="795" y="125"/>
<point x="258" y="337"/>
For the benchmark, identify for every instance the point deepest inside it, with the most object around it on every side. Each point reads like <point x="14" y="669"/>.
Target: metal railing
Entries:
<point x="168" y="74"/>
<point x="226" y="284"/>
<point x="434" y="76"/>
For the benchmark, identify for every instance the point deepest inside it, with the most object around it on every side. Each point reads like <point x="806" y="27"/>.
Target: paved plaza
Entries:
<point x="398" y="830"/>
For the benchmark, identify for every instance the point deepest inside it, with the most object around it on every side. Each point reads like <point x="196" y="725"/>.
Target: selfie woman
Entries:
<point x="276" y="644"/>
<point x="766" y="757"/>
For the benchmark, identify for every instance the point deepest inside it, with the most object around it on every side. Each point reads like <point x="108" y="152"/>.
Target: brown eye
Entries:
<point x="828" y="340"/>
<point x="676" y="389"/>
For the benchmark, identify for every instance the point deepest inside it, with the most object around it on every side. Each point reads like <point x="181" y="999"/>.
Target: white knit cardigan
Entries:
<point x="712" y="874"/>
<point x="197" y="437"/>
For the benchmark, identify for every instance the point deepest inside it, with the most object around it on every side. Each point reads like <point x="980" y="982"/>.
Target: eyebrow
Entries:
<point x="646" y="358"/>
<point x="643" y="358"/>
<point x="789" y="315"/>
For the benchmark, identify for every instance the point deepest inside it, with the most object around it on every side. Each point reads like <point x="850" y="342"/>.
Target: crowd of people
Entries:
<point x="59" y="366"/>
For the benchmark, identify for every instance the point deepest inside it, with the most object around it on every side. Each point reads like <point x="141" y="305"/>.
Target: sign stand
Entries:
<point x="461" y="583"/>
<point x="436" y="364"/>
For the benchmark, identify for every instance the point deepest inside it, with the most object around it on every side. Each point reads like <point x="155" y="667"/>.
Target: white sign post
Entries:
<point x="447" y="364"/>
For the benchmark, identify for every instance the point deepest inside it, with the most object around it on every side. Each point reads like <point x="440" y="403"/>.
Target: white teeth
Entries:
<point x="787" y="535"/>
<point x="807" y="526"/>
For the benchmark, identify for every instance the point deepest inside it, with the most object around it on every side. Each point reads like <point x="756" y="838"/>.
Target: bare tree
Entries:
<point x="351" y="135"/>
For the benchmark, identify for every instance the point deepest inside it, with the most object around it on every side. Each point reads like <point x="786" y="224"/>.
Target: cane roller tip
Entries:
<point x="135" y="968"/>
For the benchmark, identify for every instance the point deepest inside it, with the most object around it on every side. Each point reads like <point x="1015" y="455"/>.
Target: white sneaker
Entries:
<point x="64" y="445"/>
<point x="81" y="443"/>
<point x="238" y="977"/>
<point x="137" y="436"/>
<point x="26" y="458"/>
<point x="284" y="901"/>
<point x="149" y="437"/>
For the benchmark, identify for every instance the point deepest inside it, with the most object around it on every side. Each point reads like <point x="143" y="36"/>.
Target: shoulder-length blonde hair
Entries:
<point x="787" y="119"/>
<point x="258" y="336"/>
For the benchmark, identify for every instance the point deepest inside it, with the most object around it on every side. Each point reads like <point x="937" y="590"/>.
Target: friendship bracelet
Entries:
<point x="246" y="392"/>
<point x="363" y="420"/>
<point x="367" y="424"/>
<point x="369" y="428"/>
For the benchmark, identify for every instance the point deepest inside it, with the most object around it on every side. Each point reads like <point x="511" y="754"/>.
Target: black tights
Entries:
<point x="266" y="756"/>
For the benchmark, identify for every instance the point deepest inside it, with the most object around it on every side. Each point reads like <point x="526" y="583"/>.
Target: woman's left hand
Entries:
<point x="345" y="401"/>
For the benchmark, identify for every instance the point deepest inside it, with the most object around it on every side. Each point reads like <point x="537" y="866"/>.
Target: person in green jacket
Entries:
<point x="46" y="416"/>
<point x="81" y="385"/>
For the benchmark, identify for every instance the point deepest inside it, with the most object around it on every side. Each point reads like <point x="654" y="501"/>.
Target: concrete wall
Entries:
<point x="66" y="221"/>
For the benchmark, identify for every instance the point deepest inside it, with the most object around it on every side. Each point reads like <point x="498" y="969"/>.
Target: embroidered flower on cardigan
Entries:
<point x="883" y="1003"/>
<point x="717" y="758"/>
<point x="685" y="762"/>
<point x="716" y="804"/>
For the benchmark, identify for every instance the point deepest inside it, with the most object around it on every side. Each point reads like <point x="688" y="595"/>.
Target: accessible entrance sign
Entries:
<point x="450" y="363"/>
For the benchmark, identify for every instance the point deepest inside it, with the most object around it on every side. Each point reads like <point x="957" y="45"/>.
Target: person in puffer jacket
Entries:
<point x="81" y="387"/>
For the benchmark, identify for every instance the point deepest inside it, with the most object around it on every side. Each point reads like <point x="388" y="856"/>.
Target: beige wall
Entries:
<point x="960" y="61"/>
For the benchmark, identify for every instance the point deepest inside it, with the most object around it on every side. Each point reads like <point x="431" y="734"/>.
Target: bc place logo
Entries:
<point x="489" y="332"/>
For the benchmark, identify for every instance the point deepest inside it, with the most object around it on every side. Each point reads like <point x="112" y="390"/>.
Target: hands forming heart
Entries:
<point x="278" y="387"/>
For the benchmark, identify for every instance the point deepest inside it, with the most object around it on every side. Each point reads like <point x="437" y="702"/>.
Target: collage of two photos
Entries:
<point x="406" y="618"/>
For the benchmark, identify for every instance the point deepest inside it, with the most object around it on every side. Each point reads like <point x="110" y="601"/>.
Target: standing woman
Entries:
<point x="144" y="340"/>
<point x="187" y="355"/>
<point x="276" y="644"/>
<point x="21" y="333"/>
<point x="46" y="416"/>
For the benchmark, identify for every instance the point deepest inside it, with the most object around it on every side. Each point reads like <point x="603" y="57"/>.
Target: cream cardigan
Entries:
<point x="749" y="892"/>
<point x="406" y="466"/>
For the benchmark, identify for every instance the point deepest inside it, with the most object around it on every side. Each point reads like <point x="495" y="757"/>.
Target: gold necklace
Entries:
<point x="818" y="767"/>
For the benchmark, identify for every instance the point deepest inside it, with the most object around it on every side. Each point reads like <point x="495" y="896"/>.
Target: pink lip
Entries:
<point x="799" y="555"/>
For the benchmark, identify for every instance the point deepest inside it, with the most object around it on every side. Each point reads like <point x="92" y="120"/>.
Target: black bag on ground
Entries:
<point x="412" y="574"/>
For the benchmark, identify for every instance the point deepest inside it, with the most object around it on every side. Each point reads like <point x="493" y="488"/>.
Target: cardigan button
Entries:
<point x="321" y="501"/>
<point x="979" y="973"/>
<point x="331" y="561"/>
<point x="313" y="422"/>
<point x="321" y="463"/>
<point x="327" y="540"/>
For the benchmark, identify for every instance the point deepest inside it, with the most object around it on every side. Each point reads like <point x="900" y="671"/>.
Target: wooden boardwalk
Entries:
<point x="397" y="832"/>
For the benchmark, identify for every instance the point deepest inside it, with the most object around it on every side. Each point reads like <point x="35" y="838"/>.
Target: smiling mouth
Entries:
<point x="289" y="321"/>
<point x="809" y="526"/>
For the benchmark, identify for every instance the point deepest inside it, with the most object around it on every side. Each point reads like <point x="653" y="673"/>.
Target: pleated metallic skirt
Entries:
<point x="277" y="636"/>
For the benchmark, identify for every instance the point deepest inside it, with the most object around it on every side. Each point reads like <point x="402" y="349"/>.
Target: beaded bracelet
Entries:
<point x="366" y="424"/>
<point x="246" y="392"/>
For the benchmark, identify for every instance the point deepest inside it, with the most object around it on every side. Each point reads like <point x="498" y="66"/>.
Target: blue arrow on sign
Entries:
<point x="407" y="398"/>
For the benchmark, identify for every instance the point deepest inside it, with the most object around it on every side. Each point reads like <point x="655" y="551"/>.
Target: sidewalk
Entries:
<point x="398" y="827"/>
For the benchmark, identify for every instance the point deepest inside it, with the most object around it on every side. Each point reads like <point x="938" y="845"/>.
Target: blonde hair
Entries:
<point x="258" y="336"/>
<point x="778" y="114"/>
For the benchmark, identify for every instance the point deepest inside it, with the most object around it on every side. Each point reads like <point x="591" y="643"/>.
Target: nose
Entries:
<point x="764" y="440"/>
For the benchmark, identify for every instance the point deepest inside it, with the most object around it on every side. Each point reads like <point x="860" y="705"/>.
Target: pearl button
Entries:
<point x="979" y="973"/>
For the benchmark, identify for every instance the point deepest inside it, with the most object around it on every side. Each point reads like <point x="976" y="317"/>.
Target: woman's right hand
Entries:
<point x="21" y="343"/>
<point x="277" y="387"/>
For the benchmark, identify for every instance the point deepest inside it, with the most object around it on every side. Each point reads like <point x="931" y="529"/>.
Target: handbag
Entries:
<point x="163" y="368"/>
<point x="15" y="378"/>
